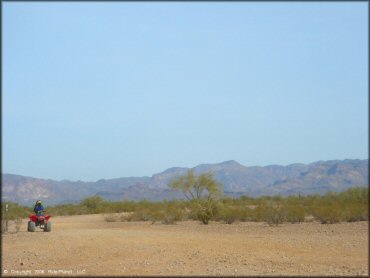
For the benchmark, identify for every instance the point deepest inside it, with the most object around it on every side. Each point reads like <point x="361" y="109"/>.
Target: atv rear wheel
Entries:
<point x="47" y="227"/>
<point x="31" y="226"/>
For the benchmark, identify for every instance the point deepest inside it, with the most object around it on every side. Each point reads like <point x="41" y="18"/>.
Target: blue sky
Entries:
<point x="105" y="90"/>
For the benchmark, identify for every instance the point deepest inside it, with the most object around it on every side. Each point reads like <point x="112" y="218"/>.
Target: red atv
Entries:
<point x="40" y="220"/>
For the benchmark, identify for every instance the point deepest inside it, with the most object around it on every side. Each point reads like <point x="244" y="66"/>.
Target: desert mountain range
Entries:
<point x="318" y="177"/>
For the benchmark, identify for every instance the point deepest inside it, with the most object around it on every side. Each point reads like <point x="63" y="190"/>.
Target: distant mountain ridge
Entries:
<point x="318" y="177"/>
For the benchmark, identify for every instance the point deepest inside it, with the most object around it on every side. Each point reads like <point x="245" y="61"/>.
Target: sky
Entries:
<point x="106" y="90"/>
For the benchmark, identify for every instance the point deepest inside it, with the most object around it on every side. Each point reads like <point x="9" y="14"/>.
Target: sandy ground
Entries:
<point x="87" y="245"/>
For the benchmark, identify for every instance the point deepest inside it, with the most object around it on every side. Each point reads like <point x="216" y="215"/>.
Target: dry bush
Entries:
<point x="230" y="214"/>
<point x="173" y="215"/>
<point x="295" y="214"/>
<point x="142" y="215"/>
<point x="275" y="215"/>
<point x="167" y="219"/>
<point x="270" y="212"/>
<point x="18" y="224"/>
<point x="203" y="210"/>
<point x="355" y="212"/>
<point x="328" y="214"/>
<point x="4" y="225"/>
<point x="126" y="217"/>
<point x="309" y="218"/>
<point x="111" y="217"/>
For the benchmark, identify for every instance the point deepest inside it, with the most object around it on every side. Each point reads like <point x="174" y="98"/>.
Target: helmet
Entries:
<point x="38" y="202"/>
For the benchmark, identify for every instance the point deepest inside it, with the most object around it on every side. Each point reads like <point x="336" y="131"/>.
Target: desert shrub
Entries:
<point x="54" y="210"/>
<point x="115" y="207"/>
<point x="91" y="204"/>
<point x="165" y="212"/>
<point x="295" y="213"/>
<point x="358" y="194"/>
<point x="231" y="213"/>
<point x="246" y="200"/>
<point x="355" y="212"/>
<point x="4" y="225"/>
<point x="111" y="217"/>
<point x="203" y="192"/>
<point x="276" y="210"/>
<point x="270" y="211"/>
<point x="228" y="201"/>
<point x="126" y="217"/>
<point x="157" y="215"/>
<point x="13" y="216"/>
<point x="247" y="214"/>
<point x="294" y="209"/>
<point x="64" y="209"/>
<point x="76" y="209"/>
<point x="257" y="214"/>
<point x="142" y="215"/>
<point x="219" y="212"/>
<point x="355" y="204"/>
<point x="107" y="207"/>
<point x="69" y="209"/>
<point x="328" y="214"/>
<point x="275" y="214"/>
<point x="145" y="211"/>
<point x="18" y="224"/>
<point x="80" y="210"/>
<point x="162" y="216"/>
<point x="168" y="219"/>
<point x="14" y="211"/>
<point x="173" y="212"/>
<point x="127" y="206"/>
<point x="349" y="205"/>
<point x="203" y="210"/>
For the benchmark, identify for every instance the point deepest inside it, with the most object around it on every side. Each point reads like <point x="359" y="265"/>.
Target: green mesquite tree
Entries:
<point x="202" y="191"/>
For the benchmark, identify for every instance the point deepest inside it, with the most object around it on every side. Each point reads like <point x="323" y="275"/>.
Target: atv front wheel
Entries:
<point x="31" y="226"/>
<point x="47" y="227"/>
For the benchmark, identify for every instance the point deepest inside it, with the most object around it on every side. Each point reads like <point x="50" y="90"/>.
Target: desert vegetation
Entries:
<point x="12" y="215"/>
<point x="332" y="207"/>
<point x="204" y="202"/>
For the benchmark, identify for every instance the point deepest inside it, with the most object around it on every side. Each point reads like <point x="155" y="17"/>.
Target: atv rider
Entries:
<point x="39" y="209"/>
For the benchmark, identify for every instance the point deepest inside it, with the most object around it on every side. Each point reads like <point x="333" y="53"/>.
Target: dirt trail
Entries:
<point x="87" y="245"/>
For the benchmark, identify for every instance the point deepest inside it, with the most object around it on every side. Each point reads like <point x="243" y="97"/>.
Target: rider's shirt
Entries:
<point x="38" y="208"/>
